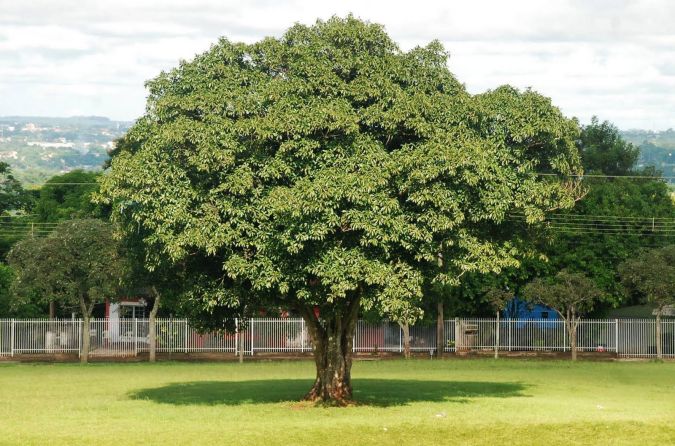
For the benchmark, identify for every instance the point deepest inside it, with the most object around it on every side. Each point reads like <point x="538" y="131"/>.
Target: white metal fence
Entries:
<point x="129" y="337"/>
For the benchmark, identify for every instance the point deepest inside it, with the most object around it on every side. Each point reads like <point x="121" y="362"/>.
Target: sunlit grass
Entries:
<point x="399" y="402"/>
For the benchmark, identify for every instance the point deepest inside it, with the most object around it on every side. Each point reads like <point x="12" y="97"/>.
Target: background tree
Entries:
<point x="13" y="200"/>
<point x="161" y="280"/>
<point x="69" y="196"/>
<point x="571" y="295"/>
<point x="604" y="150"/>
<point x="78" y="264"/>
<point x="12" y="195"/>
<point x="328" y="170"/>
<point x="404" y="314"/>
<point x="616" y="218"/>
<point x="651" y="275"/>
<point x="498" y="299"/>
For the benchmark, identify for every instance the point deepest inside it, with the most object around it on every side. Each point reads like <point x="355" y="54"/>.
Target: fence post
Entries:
<point x="458" y="336"/>
<point x="252" y="338"/>
<point x="400" y="338"/>
<point x="302" y="335"/>
<point x="616" y="336"/>
<point x="236" y="336"/>
<point x="354" y="338"/>
<point x="79" y="338"/>
<point x="11" y="337"/>
<point x="185" y="347"/>
<point x="135" y="337"/>
<point x="510" y="323"/>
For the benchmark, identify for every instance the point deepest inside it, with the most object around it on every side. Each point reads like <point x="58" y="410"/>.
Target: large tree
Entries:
<point x="328" y="171"/>
<point x="77" y="265"/>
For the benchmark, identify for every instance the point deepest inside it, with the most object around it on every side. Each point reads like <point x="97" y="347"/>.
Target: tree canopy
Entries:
<point x="68" y="196"/>
<point x="12" y="195"/>
<point x="604" y="150"/>
<point x="615" y="219"/>
<point x="651" y="274"/>
<point x="570" y="294"/>
<point x="78" y="266"/>
<point x="327" y="169"/>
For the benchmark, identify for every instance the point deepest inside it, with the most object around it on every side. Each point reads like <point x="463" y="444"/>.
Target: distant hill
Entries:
<point x="656" y="149"/>
<point x="40" y="147"/>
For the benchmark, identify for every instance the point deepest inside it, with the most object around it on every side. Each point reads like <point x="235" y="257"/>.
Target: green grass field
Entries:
<point x="400" y="402"/>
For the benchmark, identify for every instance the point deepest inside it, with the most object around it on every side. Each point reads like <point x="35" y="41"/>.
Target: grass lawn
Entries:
<point x="401" y="403"/>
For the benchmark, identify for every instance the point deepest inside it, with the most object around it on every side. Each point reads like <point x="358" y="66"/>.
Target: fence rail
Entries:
<point x="129" y="337"/>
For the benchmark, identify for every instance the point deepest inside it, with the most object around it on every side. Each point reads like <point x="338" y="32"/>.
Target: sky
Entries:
<point x="610" y="58"/>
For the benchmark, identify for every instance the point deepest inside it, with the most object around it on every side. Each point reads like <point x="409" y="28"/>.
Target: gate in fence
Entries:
<point x="129" y="337"/>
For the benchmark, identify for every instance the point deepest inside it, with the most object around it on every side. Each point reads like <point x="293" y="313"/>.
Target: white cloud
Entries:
<point x="612" y="58"/>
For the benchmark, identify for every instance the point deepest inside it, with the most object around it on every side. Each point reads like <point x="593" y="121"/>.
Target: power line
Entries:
<point x="66" y="184"/>
<point x="612" y="225"/>
<point x="594" y="175"/>
<point x="597" y="216"/>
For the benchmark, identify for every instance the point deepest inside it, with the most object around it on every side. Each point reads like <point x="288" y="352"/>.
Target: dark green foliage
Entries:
<point x="603" y="149"/>
<point x="77" y="266"/>
<point x="12" y="195"/>
<point x="651" y="276"/>
<point x="57" y="201"/>
<point x="498" y="298"/>
<point x="590" y="238"/>
<point x="13" y="199"/>
<point x="589" y="246"/>
<point x="329" y="162"/>
<point x="570" y="294"/>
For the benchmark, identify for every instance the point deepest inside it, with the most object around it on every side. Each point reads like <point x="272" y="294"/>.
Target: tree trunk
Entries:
<point x="405" y="328"/>
<point x="152" y="329"/>
<point x="332" y="337"/>
<point x="52" y="309"/>
<point x="497" y="337"/>
<point x="87" y="308"/>
<point x="241" y="351"/>
<point x="86" y="340"/>
<point x="572" y="327"/>
<point x="440" y="331"/>
<point x="659" y="350"/>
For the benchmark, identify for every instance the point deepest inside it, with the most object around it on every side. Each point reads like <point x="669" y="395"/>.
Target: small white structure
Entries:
<point x="121" y="316"/>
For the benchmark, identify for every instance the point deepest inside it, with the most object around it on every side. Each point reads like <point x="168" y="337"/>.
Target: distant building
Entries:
<point x="520" y="309"/>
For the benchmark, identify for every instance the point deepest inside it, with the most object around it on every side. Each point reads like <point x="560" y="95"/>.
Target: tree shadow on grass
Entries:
<point x="371" y="392"/>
